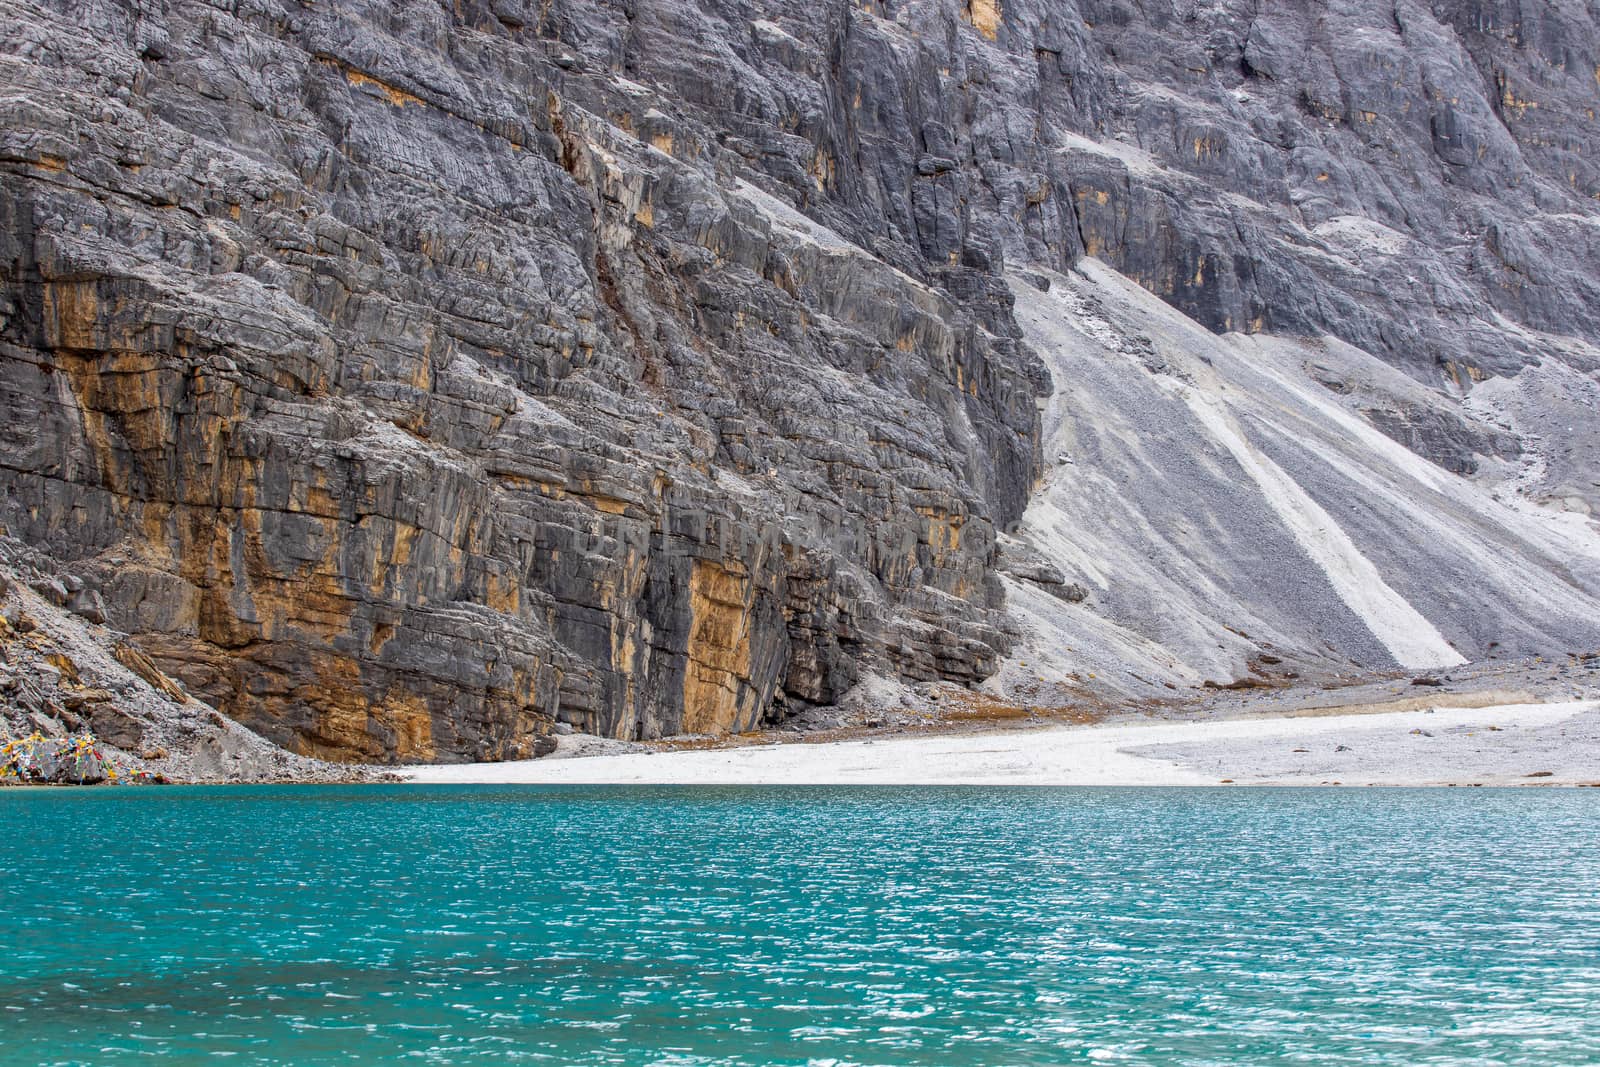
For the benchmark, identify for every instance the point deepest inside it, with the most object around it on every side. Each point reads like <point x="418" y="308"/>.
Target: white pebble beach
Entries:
<point x="1523" y="744"/>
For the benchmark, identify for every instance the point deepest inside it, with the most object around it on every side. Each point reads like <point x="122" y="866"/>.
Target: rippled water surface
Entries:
<point x="598" y="925"/>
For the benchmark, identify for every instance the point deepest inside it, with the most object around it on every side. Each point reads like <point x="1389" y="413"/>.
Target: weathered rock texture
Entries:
<point x="405" y="383"/>
<point x="409" y="376"/>
<point x="79" y="704"/>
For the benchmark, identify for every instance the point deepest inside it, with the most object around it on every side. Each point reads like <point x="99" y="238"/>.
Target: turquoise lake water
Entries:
<point x="600" y="925"/>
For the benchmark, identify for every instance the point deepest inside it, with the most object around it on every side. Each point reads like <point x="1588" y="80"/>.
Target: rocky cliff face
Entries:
<point x="407" y="377"/>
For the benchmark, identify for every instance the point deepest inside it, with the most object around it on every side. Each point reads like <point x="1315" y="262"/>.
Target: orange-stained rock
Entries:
<point x="400" y="419"/>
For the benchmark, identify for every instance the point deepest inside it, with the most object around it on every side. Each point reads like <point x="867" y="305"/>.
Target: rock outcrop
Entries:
<point x="404" y="385"/>
<point x="80" y="704"/>
<point x="407" y="378"/>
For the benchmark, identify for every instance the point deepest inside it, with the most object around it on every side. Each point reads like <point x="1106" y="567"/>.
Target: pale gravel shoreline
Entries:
<point x="1507" y="744"/>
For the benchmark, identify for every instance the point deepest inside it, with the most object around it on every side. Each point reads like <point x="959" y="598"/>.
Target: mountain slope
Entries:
<point x="1230" y="517"/>
<point x="410" y="377"/>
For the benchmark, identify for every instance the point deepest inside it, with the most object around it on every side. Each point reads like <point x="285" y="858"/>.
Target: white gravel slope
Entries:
<point x="1219" y="505"/>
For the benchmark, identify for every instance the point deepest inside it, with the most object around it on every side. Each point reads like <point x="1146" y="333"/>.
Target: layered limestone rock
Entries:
<point x="401" y="405"/>
<point x="407" y="377"/>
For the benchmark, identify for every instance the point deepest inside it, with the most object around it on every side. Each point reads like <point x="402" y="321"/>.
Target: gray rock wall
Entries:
<point x="1396" y="174"/>
<point x="409" y="376"/>
<point x="403" y="392"/>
